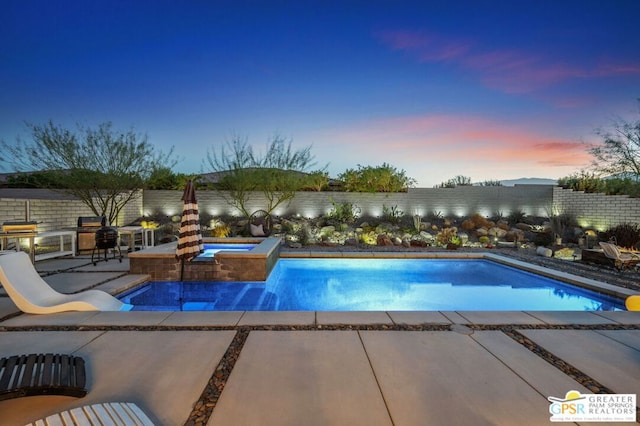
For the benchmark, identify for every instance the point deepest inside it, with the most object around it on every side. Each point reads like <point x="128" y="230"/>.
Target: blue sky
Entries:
<point x="486" y="89"/>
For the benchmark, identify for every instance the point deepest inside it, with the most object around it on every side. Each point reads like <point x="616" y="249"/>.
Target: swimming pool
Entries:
<point x="211" y="249"/>
<point x="376" y="285"/>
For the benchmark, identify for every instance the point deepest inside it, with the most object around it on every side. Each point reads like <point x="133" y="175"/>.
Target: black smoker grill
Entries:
<point x="106" y="239"/>
<point x="92" y="235"/>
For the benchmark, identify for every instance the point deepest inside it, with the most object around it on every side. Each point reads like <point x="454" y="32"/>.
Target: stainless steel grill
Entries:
<point x="86" y="232"/>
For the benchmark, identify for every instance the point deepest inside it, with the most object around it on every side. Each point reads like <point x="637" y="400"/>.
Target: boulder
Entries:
<point x="503" y="225"/>
<point x="482" y="232"/>
<point x="524" y="227"/>
<point x="327" y="230"/>
<point x="497" y="232"/>
<point x="426" y="236"/>
<point x="543" y="251"/>
<point x="514" y="234"/>
<point x="383" y="240"/>
<point x="406" y="243"/>
<point x="464" y="237"/>
<point x="351" y="242"/>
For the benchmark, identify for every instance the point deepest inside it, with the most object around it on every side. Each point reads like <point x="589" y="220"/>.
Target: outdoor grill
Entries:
<point x="106" y="238"/>
<point x="29" y="226"/>
<point x="86" y="232"/>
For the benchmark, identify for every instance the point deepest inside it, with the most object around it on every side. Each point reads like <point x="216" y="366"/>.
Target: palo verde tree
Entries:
<point x="103" y="167"/>
<point x="277" y="173"/>
<point x="619" y="152"/>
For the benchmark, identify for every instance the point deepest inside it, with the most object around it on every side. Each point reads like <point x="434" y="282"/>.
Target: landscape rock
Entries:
<point x="351" y="242"/>
<point x="497" y="232"/>
<point x="383" y="240"/>
<point x="543" y="251"/>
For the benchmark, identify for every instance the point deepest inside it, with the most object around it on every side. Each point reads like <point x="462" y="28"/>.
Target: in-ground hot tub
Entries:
<point x="253" y="263"/>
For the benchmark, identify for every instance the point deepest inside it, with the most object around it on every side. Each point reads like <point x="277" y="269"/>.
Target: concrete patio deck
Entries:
<point x="321" y="368"/>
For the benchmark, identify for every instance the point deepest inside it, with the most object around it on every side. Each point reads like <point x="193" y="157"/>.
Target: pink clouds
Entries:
<point x="428" y="48"/>
<point x="456" y="144"/>
<point x="507" y="70"/>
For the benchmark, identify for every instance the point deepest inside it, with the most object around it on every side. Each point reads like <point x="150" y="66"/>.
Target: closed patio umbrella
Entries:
<point x="189" y="238"/>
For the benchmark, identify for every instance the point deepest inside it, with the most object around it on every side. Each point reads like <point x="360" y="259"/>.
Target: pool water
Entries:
<point x="211" y="249"/>
<point x="377" y="285"/>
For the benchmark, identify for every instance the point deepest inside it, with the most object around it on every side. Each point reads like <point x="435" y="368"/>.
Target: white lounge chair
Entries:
<point x="620" y="260"/>
<point x="111" y="413"/>
<point x="33" y="295"/>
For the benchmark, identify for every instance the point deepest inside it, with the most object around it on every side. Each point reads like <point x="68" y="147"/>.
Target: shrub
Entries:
<point x="220" y="231"/>
<point x="516" y="216"/>
<point x="392" y="214"/>
<point x="447" y="236"/>
<point x="468" y="225"/>
<point x="479" y="221"/>
<point x="304" y="234"/>
<point x="543" y="239"/>
<point x="384" y="178"/>
<point x="626" y="234"/>
<point x="343" y="212"/>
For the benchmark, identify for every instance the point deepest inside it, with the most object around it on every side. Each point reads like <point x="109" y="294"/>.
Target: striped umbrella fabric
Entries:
<point x="190" y="237"/>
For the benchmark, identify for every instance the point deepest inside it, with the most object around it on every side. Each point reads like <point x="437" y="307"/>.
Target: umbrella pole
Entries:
<point x="181" y="301"/>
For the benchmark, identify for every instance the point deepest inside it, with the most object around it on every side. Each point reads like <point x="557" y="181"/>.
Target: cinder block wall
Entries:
<point x="54" y="211"/>
<point x="532" y="199"/>
<point x="597" y="211"/>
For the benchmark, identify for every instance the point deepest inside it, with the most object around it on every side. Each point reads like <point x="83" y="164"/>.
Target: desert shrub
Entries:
<point x="516" y="216"/>
<point x="343" y="212"/>
<point x="468" y="225"/>
<point x="304" y="234"/>
<point x="447" y="236"/>
<point x="435" y="215"/>
<point x="543" y="239"/>
<point x="392" y="214"/>
<point x="384" y="178"/>
<point x="479" y="221"/>
<point x="483" y="239"/>
<point x="625" y="234"/>
<point x="221" y="230"/>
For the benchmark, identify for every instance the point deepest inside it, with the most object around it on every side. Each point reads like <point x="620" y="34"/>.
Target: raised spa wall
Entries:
<point x="161" y="264"/>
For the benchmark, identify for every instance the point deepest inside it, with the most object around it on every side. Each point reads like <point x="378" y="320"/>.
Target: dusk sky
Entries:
<point x="485" y="89"/>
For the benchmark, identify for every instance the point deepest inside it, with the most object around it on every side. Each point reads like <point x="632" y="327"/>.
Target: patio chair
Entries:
<point x="260" y="224"/>
<point x="33" y="295"/>
<point x="110" y="413"/>
<point x="620" y="260"/>
<point x="42" y="374"/>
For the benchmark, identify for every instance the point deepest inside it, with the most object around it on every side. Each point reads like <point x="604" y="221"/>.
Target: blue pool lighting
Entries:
<point x="377" y="285"/>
